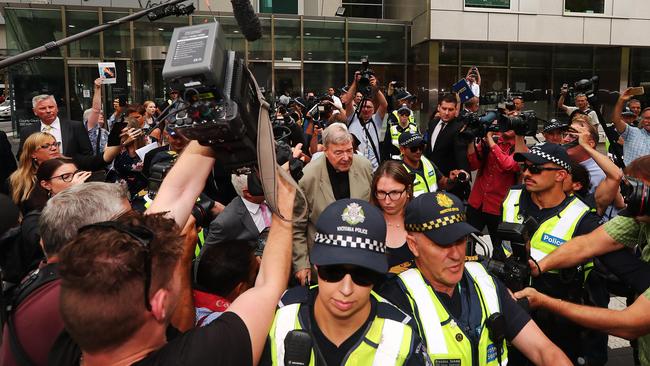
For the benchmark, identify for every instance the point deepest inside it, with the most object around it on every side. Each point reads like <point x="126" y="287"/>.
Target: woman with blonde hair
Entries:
<point x="150" y="111"/>
<point x="38" y="147"/>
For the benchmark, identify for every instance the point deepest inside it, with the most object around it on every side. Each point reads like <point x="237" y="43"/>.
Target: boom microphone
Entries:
<point x="247" y="20"/>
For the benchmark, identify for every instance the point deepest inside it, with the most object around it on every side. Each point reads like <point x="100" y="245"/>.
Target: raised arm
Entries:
<point x="97" y="103"/>
<point x="618" y="109"/>
<point x="378" y="98"/>
<point x="348" y="98"/>
<point x="184" y="183"/>
<point x="560" y="102"/>
<point x="256" y="307"/>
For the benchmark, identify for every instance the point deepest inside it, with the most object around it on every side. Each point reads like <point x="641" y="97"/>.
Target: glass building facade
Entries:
<point x="296" y="53"/>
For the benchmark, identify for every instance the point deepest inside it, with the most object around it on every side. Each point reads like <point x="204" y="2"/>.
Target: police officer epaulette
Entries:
<point x="295" y="295"/>
<point x="387" y="310"/>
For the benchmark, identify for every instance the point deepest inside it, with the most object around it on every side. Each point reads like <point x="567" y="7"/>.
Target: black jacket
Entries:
<point x="449" y="152"/>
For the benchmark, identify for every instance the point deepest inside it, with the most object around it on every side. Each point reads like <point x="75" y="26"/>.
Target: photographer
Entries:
<point x="366" y="122"/>
<point x="493" y="157"/>
<point x="628" y="230"/>
<point x="637" y="139"/>
<point x="582" y="104"/>
<point x="553" y="218"/>
<point x="473" y="78"/>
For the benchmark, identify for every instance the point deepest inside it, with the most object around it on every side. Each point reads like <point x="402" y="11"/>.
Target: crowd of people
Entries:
<point x="123" y="242"/>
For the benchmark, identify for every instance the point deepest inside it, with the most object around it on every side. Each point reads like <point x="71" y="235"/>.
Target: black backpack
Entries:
<point x="16" y="260"/>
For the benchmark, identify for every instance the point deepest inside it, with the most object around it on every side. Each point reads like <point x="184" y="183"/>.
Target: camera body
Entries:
<point x="221" y="101"/>
<point x="637" y="196"/>
<point x="363" y="84"/>
<point x="477" y="126"/>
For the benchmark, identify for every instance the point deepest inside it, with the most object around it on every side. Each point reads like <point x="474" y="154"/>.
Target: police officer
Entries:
<point x="403" y="121"/>
<point x="457" y="305"/>
<point x="427" y="177"/>
<point x="556" y="218"/>
<point x="348" y="323"/>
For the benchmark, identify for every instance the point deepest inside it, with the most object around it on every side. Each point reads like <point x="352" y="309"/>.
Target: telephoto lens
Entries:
<point x="462" y="177"/>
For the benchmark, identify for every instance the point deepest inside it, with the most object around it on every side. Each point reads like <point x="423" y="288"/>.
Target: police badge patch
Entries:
<point x="353" y="214"/>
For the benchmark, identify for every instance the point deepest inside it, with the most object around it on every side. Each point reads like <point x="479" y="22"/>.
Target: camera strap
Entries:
<point x="370" y="140"/>
<point x="266" y="161"/>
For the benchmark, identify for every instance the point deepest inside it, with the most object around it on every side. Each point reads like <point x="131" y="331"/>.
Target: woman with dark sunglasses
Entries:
<point x="347" y="322"/>
<point x="391" y="191"/>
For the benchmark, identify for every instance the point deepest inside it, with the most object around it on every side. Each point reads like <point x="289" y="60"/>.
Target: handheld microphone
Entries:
<point x="247" y="20"/>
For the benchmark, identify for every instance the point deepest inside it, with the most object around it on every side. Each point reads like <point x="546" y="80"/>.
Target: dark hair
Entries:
<point x="449" y="98"/>
<point x="47" y="168"/>
<point x="136" y="108"/>
<point x="121" y="100"/>
<point x="639" y="168"/>
<point x="395" y="170"/>
<point x="580" y="174"/>
<point x="225" y="265"/>
<point x="103" y="267"/>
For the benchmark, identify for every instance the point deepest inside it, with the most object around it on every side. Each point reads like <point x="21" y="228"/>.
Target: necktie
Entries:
<point x="436" y="132"/>
<point x="265" y="214"/>
<point x="47" y="128"/>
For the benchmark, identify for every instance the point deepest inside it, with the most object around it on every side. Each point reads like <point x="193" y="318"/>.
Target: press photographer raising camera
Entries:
<point x="366" y="122"/>
<point x="493" y="157"/>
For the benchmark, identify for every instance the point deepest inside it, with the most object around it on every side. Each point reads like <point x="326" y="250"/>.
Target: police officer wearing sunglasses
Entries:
<point x="557" y="218"/>
<point x="427" y="176"/>
<point x="456" y="304"/>
<point x="347" y="322"/>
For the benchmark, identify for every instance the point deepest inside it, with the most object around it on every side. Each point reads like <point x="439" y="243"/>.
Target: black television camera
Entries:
<point x="588" y="87"/>
<point x="322" y="110"/>
<point x="477" y="126"/>
<point x="363" y="84"/>
<point x="204" y="204"/>
<point x="637" y="197"/>
<point x="222" y="106"/>
<point x="514" y="271"/>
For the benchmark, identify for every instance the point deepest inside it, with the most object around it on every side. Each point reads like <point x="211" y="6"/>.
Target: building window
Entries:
<point x="585" y="6"/>
<point x="499" y="4"/>
<point x="363" y="8"/>
<point x="279" y="6"/>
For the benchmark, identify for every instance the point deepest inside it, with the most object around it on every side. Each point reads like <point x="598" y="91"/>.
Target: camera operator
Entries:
<point x="367" y="121"/>
<point x="331" y="92"/>
<point x="582" y="104"/>
<point x="445" y="149"/>
<point x="637" y="139"/>
<point x="457" y="303"/>
<point x="493" y="157"/>
<point x="553" y="130"/>
<point x="628" y="230"/>
<point x="471" y="106"/>
<point x="390" y="145"/>
<point x="427" y="177"/>
<point x="556" y="218"/>
<point x="518" y="101"/>
<point x="473" y="78"/>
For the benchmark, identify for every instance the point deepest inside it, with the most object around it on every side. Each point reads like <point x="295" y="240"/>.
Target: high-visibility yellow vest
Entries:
<point x="428" y="183"/>
<point x="445" y="341"/>
<point x="551" y="233"/>
<point x="386" y="342"/>
<point x="395" y="133"/>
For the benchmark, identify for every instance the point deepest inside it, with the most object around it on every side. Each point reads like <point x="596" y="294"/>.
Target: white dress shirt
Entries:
<point x="256" y="214"/>
<point x="54" y="130"/>
<point x="436" y="131"/>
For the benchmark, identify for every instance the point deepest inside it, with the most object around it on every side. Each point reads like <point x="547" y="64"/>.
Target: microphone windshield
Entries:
<point x="247" y="20"/>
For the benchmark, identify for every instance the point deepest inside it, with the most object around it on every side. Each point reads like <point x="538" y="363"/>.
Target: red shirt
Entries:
<point x="494" y="178"/>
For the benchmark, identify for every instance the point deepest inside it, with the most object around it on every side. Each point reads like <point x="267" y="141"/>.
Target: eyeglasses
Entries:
<point x="49" y="146"/>
<point x="66" y="177"/>
<point x="394" y="195"/>
<point x="335" y="273"/>
<point x="143" y="236"/>
<point x="536" y="169"/>
<point x="415" y="149"/>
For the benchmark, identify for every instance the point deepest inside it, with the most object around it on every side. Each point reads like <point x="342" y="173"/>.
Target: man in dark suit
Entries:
<point x="446" y="150"/>
<point x="72" y="134"/>
<point x="245" y="217"/>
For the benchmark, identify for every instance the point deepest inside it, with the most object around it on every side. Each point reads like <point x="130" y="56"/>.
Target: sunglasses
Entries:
<point x="143" y="236"/>
<point x="66" y="177"/>
<point x="49" y="146"/>
<point x="536" y="169"/>
<point x="415" y="149"/>
<point x="360" y="276"/>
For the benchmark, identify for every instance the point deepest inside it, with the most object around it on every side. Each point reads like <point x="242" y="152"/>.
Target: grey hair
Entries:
<point x="41" y="97"/>
<point x="337" y="133"/>
<point x="78" y="206"/>
<point x="239" y="182"/>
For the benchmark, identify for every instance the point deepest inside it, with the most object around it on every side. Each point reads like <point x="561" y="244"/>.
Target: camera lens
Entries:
<point x="462" y="177"/>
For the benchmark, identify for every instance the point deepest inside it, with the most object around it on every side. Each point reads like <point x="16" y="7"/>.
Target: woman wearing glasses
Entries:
<point x="128" y="164"/>
<point x="57" y="174"/>
<point x="38" y="148"/>
<point x="391" y="191"/>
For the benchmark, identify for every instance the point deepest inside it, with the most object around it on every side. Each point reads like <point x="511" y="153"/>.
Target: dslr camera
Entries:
<point x="637" y="196"/>
<point x="363" y="84"/>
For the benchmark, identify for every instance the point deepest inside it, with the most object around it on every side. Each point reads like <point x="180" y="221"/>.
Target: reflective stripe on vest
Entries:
<point x="427" y="184"/>
<point x="443" y="338"/>
<point x="551" y="233"/>
<point x="387" y="342"/>
<point x="395" y="134"/>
